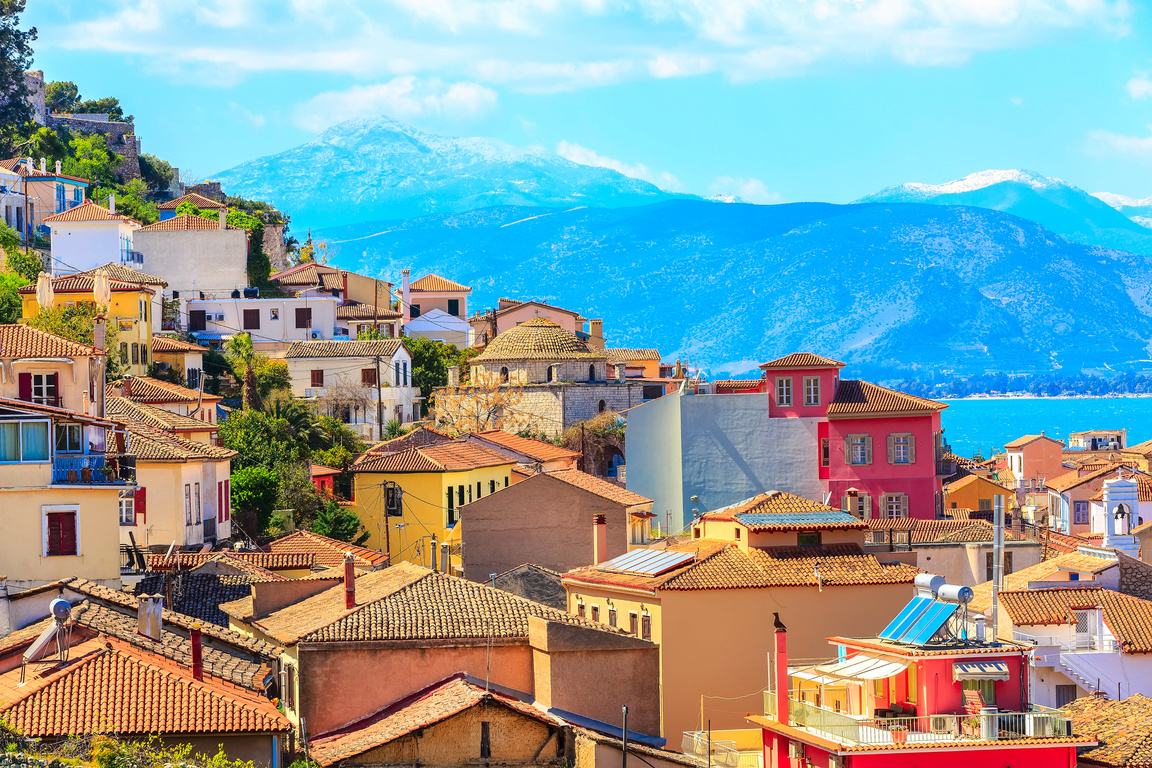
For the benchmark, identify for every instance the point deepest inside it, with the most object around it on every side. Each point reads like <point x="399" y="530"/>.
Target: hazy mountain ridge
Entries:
<point x="896" y="290"/>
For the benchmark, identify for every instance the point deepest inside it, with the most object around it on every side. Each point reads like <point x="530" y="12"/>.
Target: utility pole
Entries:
<point x="25" y="232"/>
<point x="379" y="404"/>
<point x="583" y="455"/>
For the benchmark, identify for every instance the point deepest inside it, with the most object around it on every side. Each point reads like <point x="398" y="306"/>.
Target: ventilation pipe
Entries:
<point x="405" y="276"/>
<point x="599" y="539"/>
<point x="112" y="203"/>
<point x="349" y="582"/>
<point x="197" y="653"/>
<point x="58" y="167"/>
<point x="223" y="218"/>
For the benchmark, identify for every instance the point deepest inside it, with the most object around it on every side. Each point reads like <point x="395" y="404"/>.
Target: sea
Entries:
<point x="983" y="423"/>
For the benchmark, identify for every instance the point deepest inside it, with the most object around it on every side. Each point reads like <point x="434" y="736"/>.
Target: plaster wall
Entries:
<point x="78" y="246"/>
<point x="208" y="260"/>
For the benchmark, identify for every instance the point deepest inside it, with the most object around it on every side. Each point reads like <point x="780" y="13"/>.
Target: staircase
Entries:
<point x="1089" y="678"/>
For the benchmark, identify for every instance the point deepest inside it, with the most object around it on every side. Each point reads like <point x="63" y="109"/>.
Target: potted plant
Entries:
<point x="86" y="474"/>
<point x="899" y="734"/>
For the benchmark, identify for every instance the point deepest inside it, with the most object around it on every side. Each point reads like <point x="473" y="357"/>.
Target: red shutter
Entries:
<point x="228" y="499"/>
<point x="68" y="533"/>
<point x="141" y="505"/>
<point x="26" y="387"/>
<point x="54" y="533"/>
<point x="220" y="500"/>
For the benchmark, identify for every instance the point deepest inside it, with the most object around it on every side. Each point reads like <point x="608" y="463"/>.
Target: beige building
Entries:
<point x="958" y="550"/>
<point x="167" y="396"/>
<point x="181" y="356"/>
<point x="130" y="274"/>
<point x="436" y="308"/>
<point x="47" y="193"/>
<point x="46" y="369"/>
<point x="195" y="255"/>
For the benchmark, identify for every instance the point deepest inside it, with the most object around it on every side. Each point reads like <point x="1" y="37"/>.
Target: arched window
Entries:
<point x="601" y="406"/>
<point x="504" y="374"/>
<point x="592" y="373"/>
<point x="550" y="369"/>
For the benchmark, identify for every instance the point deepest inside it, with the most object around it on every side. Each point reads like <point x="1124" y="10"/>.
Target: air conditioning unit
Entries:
<point x="796" y="750"/>
<point x="219" y="317"/>
<point x="941" y="723"/>
<point x="315" y="334"/>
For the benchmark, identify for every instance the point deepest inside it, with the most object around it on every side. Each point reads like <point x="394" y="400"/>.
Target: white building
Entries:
<point x="438" y="325"/>
<point x="343" y="377"/>
<point x="273" y="323"/>
<point x="90" y="235"/>
<point x="196" y="256"/>
<point x="1124" y="503"/>
<point x="436" y="308"/>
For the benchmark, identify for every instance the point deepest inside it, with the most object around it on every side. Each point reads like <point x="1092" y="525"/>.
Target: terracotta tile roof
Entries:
<point x="83" y="283"/>
<point x="601" y="488"/>
<point x="721" y="565"/>
<point x="185" y="222"/>
<point x="1070" y="480"/>
<point x="149" y="444"/>
<point x="18" y="340"/>
<point x="1062" y="543"/>
<point x="64" y="413"/>
<point x="1143" y="488"/>
<point x="1123" y="728"/>
<point x="198" y="200"/>
<point x="154" y="416"/>
<point x="326" y="552"/>
<point x="922" y="531"/>
<point x="310" y="350"/>
<point x="197" y="594"/>
<point x="510" y="305"/>
<point x="436" y="284"/>
<point x="537" y="339"/>
<point x="976" y="531"/>
<point x="968" y="480"/>
<point x="417" y="438"/>
<point x="781" y="511"/>
<point x="87" y="211"/>
<point x="422" y="709"/>
<point x="20" y="165"/>
<point x="456" y="456"/>
<point x="861" y="398"/>
<point x="354" y="310"/>
<point x="409" y="602"/>
<point x="145" y="389"/>
<point x="319" y="470"/>
<point x="1143" y="449"/>
<point x="24" y="635"/>
<point x="535" y="450"/>
<point x="1129" y="618"/>
<point x="801" y="360"/>
<point x="1023" y="440"/>
<point x="165" y="345"/>
<point x="125" y="274"/>
<point x="302" y="275"/>
<point x="265" y="561"/>
<point x="125" y="691"/>
<point x="227" y="661"/>
<point x="632" y="355"/>
<point x="1042" y="571"/>
<point x="750" y="384"/>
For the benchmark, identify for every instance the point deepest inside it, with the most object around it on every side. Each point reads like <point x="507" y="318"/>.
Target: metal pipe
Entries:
<point x="624" y="754"/>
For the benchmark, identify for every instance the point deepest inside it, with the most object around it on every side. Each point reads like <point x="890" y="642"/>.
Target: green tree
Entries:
<point x="261" y="440"/>
<point x="271" y="376"/>
<point x="340" y="523"/>
<point x="157" y="173"/>
<point x="131" y="200"/>
<point x="16" y="43"/>
<point x="11" y="305"/>
<point x="244" y="358"/>
<point x="50" y="144"/>
<point x="78" y="323"/>
<point x="429" y="365"/>
<point x="89" y="158"/>
<point x="300" y="418"/>
<point x="338" y="435"/>
<point x="108" y="104"/>
<point x="61" y="96"/>
<point x="255" y="490"/>
<point x="312" y="252"/>
<point x="338" y="457"/>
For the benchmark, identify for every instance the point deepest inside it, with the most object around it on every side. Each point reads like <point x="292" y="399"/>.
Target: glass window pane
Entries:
<point x="10" y="442"/>
<point x="35" y="440"/>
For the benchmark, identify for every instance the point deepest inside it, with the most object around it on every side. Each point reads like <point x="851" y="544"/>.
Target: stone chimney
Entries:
<point x="344" y="288"/>
<point x="405" y="276"/>
<point x="43" y="165"/>
<point x="596" y="334"/>
<point x="150" y="616"/>
<point x="599" y="539"/>
<point x="112" y="203"/>
<point x="197" y="653"/>
<point x="453" y="375"/>
<point x="223" y="218"/>
<point x="445" y="558"/>
<point x="58" y="167"/>
<point x="619" y="371"/>
<point x="349" y="581"/>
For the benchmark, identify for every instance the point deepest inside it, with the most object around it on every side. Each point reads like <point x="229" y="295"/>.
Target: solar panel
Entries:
<point x="906" y="617"/>
<point x="929" y="623"/>
<point x="648" y="562"/>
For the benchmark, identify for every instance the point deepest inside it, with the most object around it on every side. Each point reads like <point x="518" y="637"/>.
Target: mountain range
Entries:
<point x="374" y="168"/>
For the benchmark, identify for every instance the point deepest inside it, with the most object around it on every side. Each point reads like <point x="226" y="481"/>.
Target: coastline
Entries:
<point x="1023" y="396"/>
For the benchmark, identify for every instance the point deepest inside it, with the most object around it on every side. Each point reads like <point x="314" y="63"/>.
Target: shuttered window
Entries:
<point x="901" y="448"/>
<point x="61" y="534"/>
<point x="197" y="320"/>
<point x="367" y="377"/>
<point x="303" y="317"/>
<point x="251" y="319"/>
<point x="318" y="378"/>
<point x="141" y="505"/>
<point x="646" y="625"/>
<point x="859" y="506"/>
<point x="858" y="450"/>
<point x="895" y="505"/>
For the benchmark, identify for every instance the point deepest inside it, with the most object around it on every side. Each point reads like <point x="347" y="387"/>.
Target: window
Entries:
<point x="454" y="307"/>
<point x="251" y="319"/>
<point x="1007" y="564"/>
<point x="900" y="537"/>
<point x="808" y="539"/>
<point x="187" y="504"/>
<point x="601" y="406"/>
<point x="986" y="689"/>
<point x="911" y="698"/>
<point x="646" y="626"/>
<point x="124" y="352"/>
<point x="633" y="623"/>
<point x="367" y="377"/>
<point x="984" y="505"/>
<point x="127" y="512"/>
<point x="396" y="374"/>
<point x="1080" y="512"/>
<point x="591" y="373"/>
<point x="580" y="610"/>
<point x="24" y="441"/>
<point x="144" y="354"/>
<point x="140" y="504"/>
<point x="737" y="534"/>
<point x="900" y="449"/>
<point x="60" y="534"/>
<point x="784" y="391"/>
<point x="196" y="496"/>
<point x="1065" y="694"/>
<point x="504" y="375"/>
<point x="595" y="613"/>
<point x="505" y="481"/>
<point x="469" y="493"/>
<point x="550" y="372"/>
<point x="143" y="309"/>
<point x="491" y="486"/>
<point x="135" y="353"/>
<point x="858" y="450"/>
<point x="695" y="533"/>
<point x="878" y="537"/>
<point x="825" y="452"/>
<point x="404" y="367"/>
<point x="415" y="310"/>
<point x="69" y="438"/>
<point x="59" y="198"/>
<point x="318" y="378"/>
<point x="859" y="506"/>
<point x="39" y="388"/>
<point x="197" y="320"/>
<point x="477" y="489"/>
<point x="303" y="317"/>
<point x="895" y="506"/>
<point x="451" y="508"/>
<point x="612" y="616"/>
<point x="811" y="390"/>
<point x="459" y="495"/>
<point x="485" y="741"/>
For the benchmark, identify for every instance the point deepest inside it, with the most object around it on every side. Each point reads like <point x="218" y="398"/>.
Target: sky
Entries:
<point x="773" y="101"/>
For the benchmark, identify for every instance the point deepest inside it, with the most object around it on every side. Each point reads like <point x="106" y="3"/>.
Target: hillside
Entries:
<point x="895" y="290"/>
<point x="1068" y="211"/>
<point x="376" y="168"/>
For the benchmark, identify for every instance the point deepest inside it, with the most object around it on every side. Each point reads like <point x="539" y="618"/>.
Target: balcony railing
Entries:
<point x="1076" y="641"/>
<point x="721" y="753"/>
<point x="132" y="257"/>
<point x="94" y="469"/>
<point x="990" y="725"/>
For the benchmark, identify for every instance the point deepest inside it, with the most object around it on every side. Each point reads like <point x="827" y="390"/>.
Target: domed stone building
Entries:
<point x="561" y="379"/>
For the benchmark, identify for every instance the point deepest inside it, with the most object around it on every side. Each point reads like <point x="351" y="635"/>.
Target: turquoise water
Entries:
<point x="980" y="423"/>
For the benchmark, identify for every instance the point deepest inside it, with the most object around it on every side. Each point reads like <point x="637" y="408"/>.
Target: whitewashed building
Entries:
<point x="89" y="236"/>
<point x="273" y="323"/>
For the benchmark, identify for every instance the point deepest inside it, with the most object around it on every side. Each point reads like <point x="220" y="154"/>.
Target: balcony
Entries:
<point x="94" y="469"/>
<point x="1071" y="642"/>
<point x="132" y="257"/>
<point x="989" y="725"/>
<point x="727" y="749"/>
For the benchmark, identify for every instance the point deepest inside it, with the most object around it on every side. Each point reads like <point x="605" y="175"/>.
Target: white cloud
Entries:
<point x="585" y="156"/>
<point x="1140" y="87"/>
<point x="1016" y="101"/>
<point x="1106" y="142"/>
<point x="402" y="97"/>
<point x="748" y="190"/>
<point x="255" y="119"/>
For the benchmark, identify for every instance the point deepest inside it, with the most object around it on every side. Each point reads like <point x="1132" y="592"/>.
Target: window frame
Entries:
<point x="127" y="504"/>
<point x="808" y="538"/>
<point x="825" y="452"/>
<point x="20" y="440"/>
<point x="784" y="392"/>
<point x="897" y="445"/>
<point x="809" y="400"/>
<point x="51" y="509"/>
<point x="1079" y="507"/>
<point x="315" y="378"/>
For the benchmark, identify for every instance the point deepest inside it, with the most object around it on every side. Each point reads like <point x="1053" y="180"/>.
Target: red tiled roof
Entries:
<point x="622" y="355"/>
<point x="166" y="346"/>
<point x="302" y="275"/>
<point x="88" y="211"/>
<point x="49" y="410"/>
<point x="18" y="340"/>
<point x="456" y="456"/>
<point x="354" y="310"/>
<point x="184" y="222"/>
<point x="1123" y="728"/>
<point x="435" y="284"/>
<point x="150" y="444"/>
<point x="1072" y="479"/>
<point x="16" y="165"/>
<point x="537" y="450"/>
<point x="537" y="339"/>
<point x="314" y="350"/>
<point x="270" y="561"/>
<point x="1024" y="440"/>
<point x="513" y="304"/>
<point x="418" y="437"/>
<point x="319" y="470"/>
<point x="195" y="198"/>
<point x="782" y="503"/>
<point x="801" y="360"/>
<point x="82" y="282"/>
<point x="1143" y="488"/>
<point x="862" y="398"/>
<point x="1045" y="570"/>
<point x="741" y="384"/>
<point x="601" y="488"/>
<point x="1129" y="618"/>
<point x="123" y="690"/>
<point x="126" y="274"/>
<point x="327" y="553"/>
<point x="155" y="416"/>
<point x="145" y="389"/>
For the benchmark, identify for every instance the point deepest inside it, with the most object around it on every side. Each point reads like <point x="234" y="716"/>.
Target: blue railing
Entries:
<point x="131" y="257"/>
<point x="94" y="469"/>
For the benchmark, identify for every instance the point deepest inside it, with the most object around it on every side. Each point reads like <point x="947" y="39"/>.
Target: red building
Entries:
<point x="922" y="693"/>
<point x="879" y="449"/>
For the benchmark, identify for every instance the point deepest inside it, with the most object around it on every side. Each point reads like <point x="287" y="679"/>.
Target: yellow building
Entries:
<point x="130" y="312"/>
<point x="185" y="358"/>
<point x="979" y="493"/>
<point x="638" y="363"/>
<point x="437" y="481"/>
<point x="46" y="369"/>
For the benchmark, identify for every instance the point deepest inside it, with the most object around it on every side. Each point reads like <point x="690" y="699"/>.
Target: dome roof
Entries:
<point x="537" y="339"/>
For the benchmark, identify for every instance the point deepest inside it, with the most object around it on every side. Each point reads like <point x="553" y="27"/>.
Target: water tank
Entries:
<point x="252" y="292"/>
<point x="929" y="582"/>
<point x="235" y="294"/>
<point x="951" y="593"/>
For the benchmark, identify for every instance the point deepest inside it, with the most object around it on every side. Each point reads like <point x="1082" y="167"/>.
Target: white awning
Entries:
<point x="858" y="667"/>
<point x="980" y="670"/>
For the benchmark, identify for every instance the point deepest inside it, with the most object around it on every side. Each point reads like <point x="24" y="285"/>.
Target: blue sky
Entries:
<point x="773" y="101"/>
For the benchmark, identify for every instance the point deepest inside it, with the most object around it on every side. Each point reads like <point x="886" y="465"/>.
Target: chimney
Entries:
<point x="445" y="559"/>
<point x="434" y="552"/>
<point x="599" y="539"/>
<point x="453" y="375"/>
<point x="197" y="653"/>
<point x="150" y="617"/>
<point x="58" y="166"/>
<point x="619" y="371"/>
<point x="98" y="333"/>
<point x="112" y="203"/>
<point x="31" y="164"/>
<point x="43" y="165"/>
<point x="344" y="289"/>
<point x="349" y="581"/>
<point x="781" y="672"/>
<point x="126" y="384"/>
<point x="405" y="274"/>
<point x="1018" y="524"/>
<point x="223" y="218"/>
<point x="596" y="334"/>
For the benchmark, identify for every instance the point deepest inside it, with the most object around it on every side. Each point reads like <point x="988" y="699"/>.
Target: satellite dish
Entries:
<point x="60" y="609"/>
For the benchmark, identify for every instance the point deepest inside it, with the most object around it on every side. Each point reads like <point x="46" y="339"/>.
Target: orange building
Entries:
<point x="1032" y="459"/>
<point x="979" y="493"/>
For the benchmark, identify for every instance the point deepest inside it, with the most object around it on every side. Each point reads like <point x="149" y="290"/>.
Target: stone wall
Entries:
<point x="274" y="247"/>
<point x="120" y="138"/>
<point x="34" y="82"/>
<point x="549" y="409"/>
<point x="536" y="372"/>
<point x="209" y="189"/>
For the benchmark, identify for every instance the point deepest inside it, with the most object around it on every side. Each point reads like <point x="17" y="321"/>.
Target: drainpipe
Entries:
<point x="349" y="582"/>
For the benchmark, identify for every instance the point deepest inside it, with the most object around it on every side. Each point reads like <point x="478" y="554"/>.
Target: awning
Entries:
<point x="980" y="670"/>
<point x="859" y="667"/>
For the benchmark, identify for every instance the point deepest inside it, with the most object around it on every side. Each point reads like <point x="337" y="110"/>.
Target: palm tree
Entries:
<point x="393" y="429"/>
<point x="302" y="419"/>
<point x="243" y="356"/>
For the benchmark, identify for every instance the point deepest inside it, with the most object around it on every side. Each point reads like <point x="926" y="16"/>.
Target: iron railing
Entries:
<point x="1073" y="642"/>
<point x="720" y="753"/>
<point x="94" y="469"/>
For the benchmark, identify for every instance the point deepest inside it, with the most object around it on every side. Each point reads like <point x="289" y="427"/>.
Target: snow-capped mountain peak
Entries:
<point x="914" y="191"/>
<point x="1121" y="201"/>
